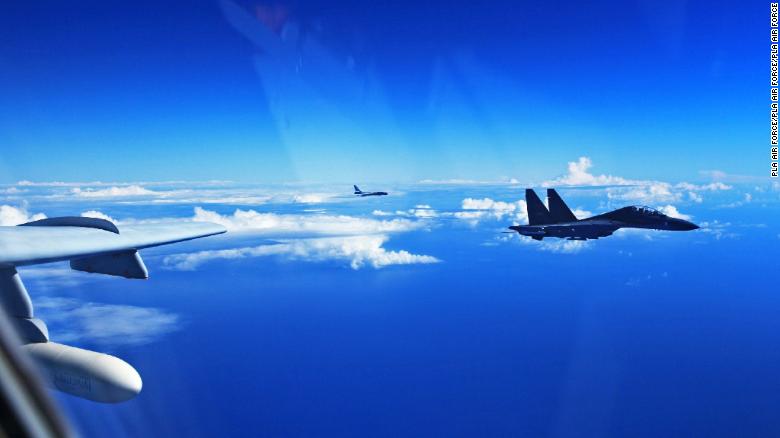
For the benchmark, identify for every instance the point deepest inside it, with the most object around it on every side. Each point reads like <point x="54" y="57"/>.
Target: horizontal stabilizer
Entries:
<point x="126" y="264"/>
<point x="559" y="211"/>
<point x="537" y="212"/>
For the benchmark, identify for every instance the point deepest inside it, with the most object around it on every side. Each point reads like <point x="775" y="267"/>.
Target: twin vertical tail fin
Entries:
<point x="559" y="211"/>
<point x="537" y="212"/>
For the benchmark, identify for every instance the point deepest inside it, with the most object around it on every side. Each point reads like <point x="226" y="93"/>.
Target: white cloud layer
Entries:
<point x="475" y="210"/>
<point x="113" y="192"/>
<point x="110" y="324"/>
<point x="311" y="198"/>
<point x="421" y="211"/>
<point x="321" y="224"/>
<point x="359" y="251"/>
<point x="649" y="192"/>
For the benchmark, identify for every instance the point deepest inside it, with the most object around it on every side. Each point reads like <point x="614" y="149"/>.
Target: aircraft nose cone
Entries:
<point x="684" y="225"/>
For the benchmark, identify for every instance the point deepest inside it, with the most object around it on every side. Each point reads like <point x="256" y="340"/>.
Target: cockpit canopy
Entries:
<point x="640" y="213"/>
<point x="645" y="210"/>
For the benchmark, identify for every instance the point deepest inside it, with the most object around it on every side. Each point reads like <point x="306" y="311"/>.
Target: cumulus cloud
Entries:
<point x="10" y="215"/>
<point x="578" y="175"/>
<point x="323" y="224"/>
<point x="311" y="198"/>
<point x="486" y="208"/>
<point x="99" y="215"/>
<point x="647" y="193"/>
<point x="581" y="214"/>
<point x="72" y="320"/>
<point x="359" y="251"/>
<point x="113" y="192"/>
<point x="671" y="211"/>
<point x="624" y="189"/>
<point x="695" y="197"/>
<point x="421" y="211"/>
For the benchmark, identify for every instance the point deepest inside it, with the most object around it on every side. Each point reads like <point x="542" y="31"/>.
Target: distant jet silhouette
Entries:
<point x="362" y="193"/>
<point x="560" y="222"/>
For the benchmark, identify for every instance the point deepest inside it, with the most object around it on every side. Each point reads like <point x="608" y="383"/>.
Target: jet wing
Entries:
<point x="91" y="245"/>
<point x="30" y="245"/>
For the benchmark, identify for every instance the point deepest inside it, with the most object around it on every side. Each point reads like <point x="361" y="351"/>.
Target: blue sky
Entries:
<point x="401" y="92"/>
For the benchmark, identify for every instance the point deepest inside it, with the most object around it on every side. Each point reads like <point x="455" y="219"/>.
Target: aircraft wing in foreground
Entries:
<point x="91" y="245"/>
<point x="559" y="221"/>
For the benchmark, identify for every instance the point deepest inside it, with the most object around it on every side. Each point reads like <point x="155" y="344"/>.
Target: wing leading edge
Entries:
<point x="30" y="245"/>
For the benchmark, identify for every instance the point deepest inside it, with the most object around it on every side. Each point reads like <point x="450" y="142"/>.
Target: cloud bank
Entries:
<point x="475" y="210"/>
<point x="113" y="192"/>
<point x="251" y="221"/>
<point x="624" y="189"/>
<point x="76" y="321"/>
<point x="359" y="251"/>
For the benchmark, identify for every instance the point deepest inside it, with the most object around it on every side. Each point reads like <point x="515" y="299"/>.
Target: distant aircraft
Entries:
<point x="362" y="193"/>
<point x="560" y="222"/>
<point x="91" y="245"/>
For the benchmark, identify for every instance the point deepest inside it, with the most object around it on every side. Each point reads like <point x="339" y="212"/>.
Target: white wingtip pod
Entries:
<point x="95" y="376"/>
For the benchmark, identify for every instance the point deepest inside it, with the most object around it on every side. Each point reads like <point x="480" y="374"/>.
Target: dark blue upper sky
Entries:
<point x="278" y="91"/>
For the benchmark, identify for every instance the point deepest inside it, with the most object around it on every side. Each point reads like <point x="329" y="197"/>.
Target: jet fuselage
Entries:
<point x="559" y="222"/>
<point x="362" y="194"/>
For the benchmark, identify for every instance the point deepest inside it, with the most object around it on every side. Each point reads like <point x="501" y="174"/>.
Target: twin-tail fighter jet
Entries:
<point x="91" y="245"/>
<point x="559" y="221"/>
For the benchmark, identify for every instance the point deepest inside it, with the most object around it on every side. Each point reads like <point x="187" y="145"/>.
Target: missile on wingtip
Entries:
<point x="87" y="374"/>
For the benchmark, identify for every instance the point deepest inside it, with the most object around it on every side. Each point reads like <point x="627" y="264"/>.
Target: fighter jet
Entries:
<point x="91" y="245"/>
<point x="362" y="193"/>
<point x="560" y="222"/>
